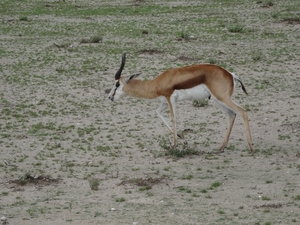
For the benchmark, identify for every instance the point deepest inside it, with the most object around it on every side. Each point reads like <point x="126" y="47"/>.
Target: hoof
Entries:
<point x="173" y="147"/>
<point x="221" y="150"/>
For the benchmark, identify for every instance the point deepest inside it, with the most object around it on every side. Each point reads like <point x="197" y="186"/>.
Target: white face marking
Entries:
<point x="116" y="92"/>
<point x="196" y="93"/>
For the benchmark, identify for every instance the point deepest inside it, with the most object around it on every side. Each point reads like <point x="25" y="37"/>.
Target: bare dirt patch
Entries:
<point x="35" y="180"/>
<point x="150" y="51"/>
<point x="71" y="156"/>
<point x="292" y="21"/>
<point x="145" y="182"/>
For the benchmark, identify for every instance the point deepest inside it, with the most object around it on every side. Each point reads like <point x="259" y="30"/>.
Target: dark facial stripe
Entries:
<point x="117" y="86"/>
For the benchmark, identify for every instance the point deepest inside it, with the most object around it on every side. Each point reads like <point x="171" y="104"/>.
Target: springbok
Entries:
<point x="193" y="82"/>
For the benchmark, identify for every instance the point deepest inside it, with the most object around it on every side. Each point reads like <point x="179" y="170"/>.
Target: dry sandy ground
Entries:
<point x="59" y="132"/>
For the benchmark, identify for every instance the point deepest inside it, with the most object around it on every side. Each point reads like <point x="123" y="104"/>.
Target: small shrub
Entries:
<point x="220" y="211"/>
<point x="96" y="39"/>
<point x="268" y="3"/>
<point x="120" y="199"/>
<point x="22" y="180"/>
<point x="94" y="183"/>
<point x="264" y="198"/>
<point x="97" y="214"/>
<point x="184" y="189"/>
<point x="212" y="61"/>
<point x="256" y="56"/>
<point x="200" y="103"/>
<point x="297" y="198"/>
<point x="215" y="184"/>
<point x="203" y="191"/>
<point x="237" y="28"/>
<point x="23" y="18"/>
<point x="144" y="188"/>
<point x="184" y="35"/>
<point x="4" y="193"/>
<point x="188" y="177"/>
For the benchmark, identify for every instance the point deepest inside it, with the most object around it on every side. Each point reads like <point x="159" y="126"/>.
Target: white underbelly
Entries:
<point x="196" y="93"/>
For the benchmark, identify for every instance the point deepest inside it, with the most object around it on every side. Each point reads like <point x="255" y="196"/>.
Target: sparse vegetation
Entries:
<point x="23" y="18"/>
<point x="297" y="198"/>
<point x="93" y="39"/>
<point x="94" y="183"/>
<point x="61" y="139"/>
<point x="215" y="184"/>
<point x="200" y="103"/>
<point x="236" y="28"/>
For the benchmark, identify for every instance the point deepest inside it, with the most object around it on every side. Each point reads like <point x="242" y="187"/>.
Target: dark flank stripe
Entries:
<point x="190" y="83"/>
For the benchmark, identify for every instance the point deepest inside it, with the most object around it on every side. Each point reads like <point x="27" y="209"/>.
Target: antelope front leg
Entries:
<point x="163" y="106"/>
<point x="172" y="106"/>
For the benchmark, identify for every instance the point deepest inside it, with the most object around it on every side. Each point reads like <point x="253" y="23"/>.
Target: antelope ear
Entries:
<point x="131" y="77"/>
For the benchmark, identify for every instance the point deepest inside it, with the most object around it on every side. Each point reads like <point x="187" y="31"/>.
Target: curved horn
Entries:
<point x="118" y="74"/>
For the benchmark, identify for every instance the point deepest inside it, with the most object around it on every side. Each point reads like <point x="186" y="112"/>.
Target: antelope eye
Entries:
<point x="117" y="84"/>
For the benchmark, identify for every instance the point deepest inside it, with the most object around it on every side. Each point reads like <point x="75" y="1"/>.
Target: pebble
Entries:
<point x="135" y="223"/>
<point x="3" y="218"/>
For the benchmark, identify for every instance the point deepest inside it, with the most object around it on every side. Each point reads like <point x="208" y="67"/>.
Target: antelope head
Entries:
<point x="118" y="89"/>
